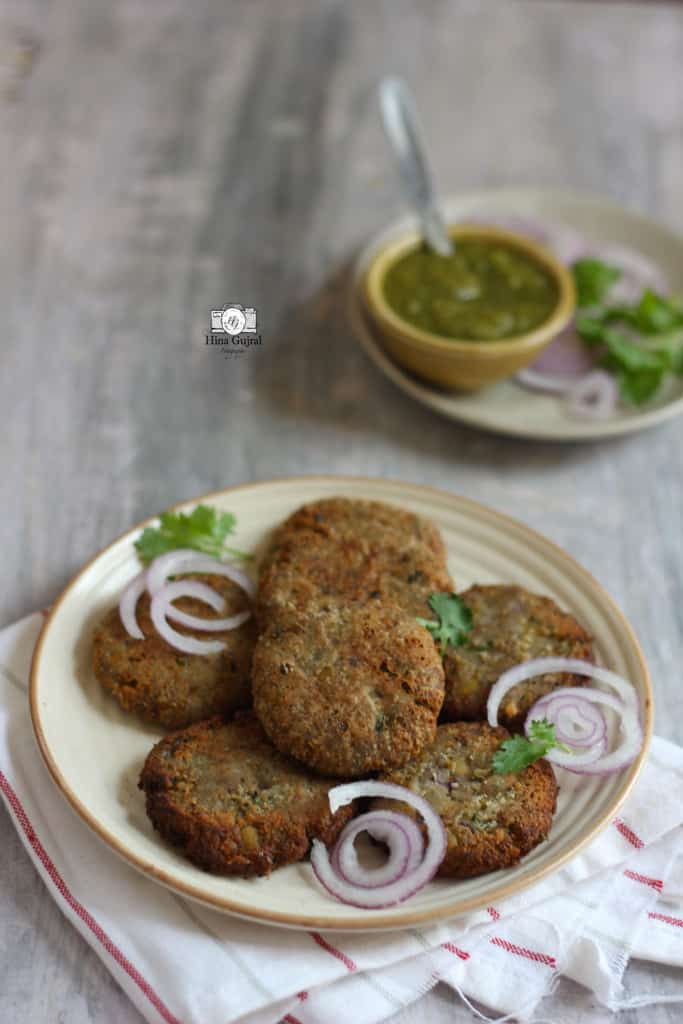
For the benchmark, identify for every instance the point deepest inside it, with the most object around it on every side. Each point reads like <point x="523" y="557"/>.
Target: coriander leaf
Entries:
<point x="628" y="354"/>
<point x="454" y="620"/>
<point x="655" y="314"/>
<point x="640" y="386"/>
<point x="518" y="752"/>
<point x="203" y="529"/>
<point x="591" y="328"/>
<point x="593" y="279"/>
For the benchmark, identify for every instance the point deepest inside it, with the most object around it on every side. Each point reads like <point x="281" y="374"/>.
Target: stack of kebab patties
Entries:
<point x="348" y="684"/>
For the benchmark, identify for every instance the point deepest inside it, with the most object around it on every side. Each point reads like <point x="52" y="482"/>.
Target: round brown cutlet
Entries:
<point x="374" y="523"/>
<point x="491" y="819"/>
<point x="510" y="625"/>
<point x="308" y="566"/>
<point x="232" y="804"/>
<point x="348" y="688"/>
<point x="161" y="684"/>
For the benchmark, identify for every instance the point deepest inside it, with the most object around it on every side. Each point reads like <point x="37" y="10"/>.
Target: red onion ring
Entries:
<point x="185" y="560"/>
<point x="162" y="593"/>
<point x="578" y="725"/>
<point x="128" y="604"/>
<point x="399" y="832"/>
<point x="388" y="893"/>
<point x="596" y="395"/>
<point x="594" y="760"/>
<point x="193" y="588"/>
<point x="188" y="644"/>
<point x="551" y="383"/>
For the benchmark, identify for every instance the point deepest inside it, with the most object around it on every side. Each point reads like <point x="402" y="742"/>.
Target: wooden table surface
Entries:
<point x="166" y="158"/>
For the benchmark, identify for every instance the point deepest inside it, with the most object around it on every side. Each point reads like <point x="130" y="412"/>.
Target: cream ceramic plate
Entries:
<point x="95" y="752"/>
<point x="508" y="408"/>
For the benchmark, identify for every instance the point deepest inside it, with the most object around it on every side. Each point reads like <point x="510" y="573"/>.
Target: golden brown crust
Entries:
<point x="161" y="684"/>
<point x="306" y="566"/>
<point x="232" y="804"/>
<point x="491" y="820"/>
<point x="374" y="523"/>
<point x="348" y="688"/>
<point x="510" y="625"/>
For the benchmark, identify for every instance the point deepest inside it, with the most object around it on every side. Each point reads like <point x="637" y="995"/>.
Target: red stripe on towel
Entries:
<point x="493" y="912"/>
<point x="654" y="883"/>
<point x="78" y="908"/>
<point x="324" y="944"/>
<point x="628" y="833"/>
<point x="454" y="949"/>
<point x="530" y="954"/>
<point x="675" y="921"/>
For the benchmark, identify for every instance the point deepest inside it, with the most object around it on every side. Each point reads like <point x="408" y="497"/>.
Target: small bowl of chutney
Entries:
<point x="472" y="318"/>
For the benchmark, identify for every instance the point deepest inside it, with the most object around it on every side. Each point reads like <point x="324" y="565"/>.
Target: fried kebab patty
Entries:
<point x="348" y="688"/>
<point x="372" y="522"/>
<point x="232" y="804"/>
<point x="164" y="685"/>
<point x="509" y="625"/>
<point x="491" y="819"/>
<point x="349" y="548"/>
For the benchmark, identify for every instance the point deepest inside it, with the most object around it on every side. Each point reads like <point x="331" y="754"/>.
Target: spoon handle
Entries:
<point x="401" y="125"/>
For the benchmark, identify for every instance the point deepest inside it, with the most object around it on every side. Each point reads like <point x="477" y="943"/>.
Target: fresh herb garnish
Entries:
<point x="454" y="620"/>
<point x="640" y="342"/>
<point x="518" y="752"/>
<point x="203" y="529"/>
<point x="593" y="279"/>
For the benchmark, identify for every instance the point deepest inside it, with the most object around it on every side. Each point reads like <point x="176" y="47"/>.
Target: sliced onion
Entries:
<point x="193" y="588"/>
<point x="185" y="560"/>
<point x="564" y="361"/>
<point x="578" y="724"/>
<point x="399" y="832"/>
<point x="617" y="759"/>
<point x="548" y="666"/>
<point x="387" y="893"/>
<point x="201" y="591"/>
<point x="128" y="604"/>
<point x="595" y="395"/>
<point x="593" y="761"/>
<point x="552" y="384"/>
<point x="189" y="644"/>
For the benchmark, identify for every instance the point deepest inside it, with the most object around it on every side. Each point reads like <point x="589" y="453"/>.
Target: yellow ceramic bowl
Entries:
<point x="451" y="362"/>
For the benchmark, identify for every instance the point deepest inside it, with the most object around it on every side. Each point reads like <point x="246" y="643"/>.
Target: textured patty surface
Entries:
<point x="372" y="522"/>
<point x="348" y="688"/>
<point x="160" y="683"/>
<point x="232" y="804"/>
<point x="491" y="820"/>
<point x="307" y="566"/>
<point x="510" y="625"/>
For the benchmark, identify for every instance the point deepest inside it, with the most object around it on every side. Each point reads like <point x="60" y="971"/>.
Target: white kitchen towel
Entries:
<point x="182" y="963"/>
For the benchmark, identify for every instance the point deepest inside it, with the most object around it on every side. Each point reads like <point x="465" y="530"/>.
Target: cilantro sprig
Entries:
<point x="593" y="279"/>
<point x="518" y="752"/>
<point x="204" y="529"/>
<point x="640" y="342"/>
<point x="453" y="621"/>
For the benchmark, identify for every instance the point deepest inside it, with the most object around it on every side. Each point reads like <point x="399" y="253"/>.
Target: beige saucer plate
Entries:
<point x="508" y="408"/>
<point x="94" y="751"/>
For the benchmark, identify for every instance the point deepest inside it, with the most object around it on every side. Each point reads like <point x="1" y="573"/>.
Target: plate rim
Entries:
<point x="302" y="921"/>
<point x="422" y="392"/>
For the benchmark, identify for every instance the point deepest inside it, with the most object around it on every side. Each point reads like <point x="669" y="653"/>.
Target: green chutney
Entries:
<point x="485" y="290"/>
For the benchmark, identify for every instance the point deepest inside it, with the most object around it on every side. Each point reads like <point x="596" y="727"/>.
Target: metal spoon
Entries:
<point x="399" y="116"/>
